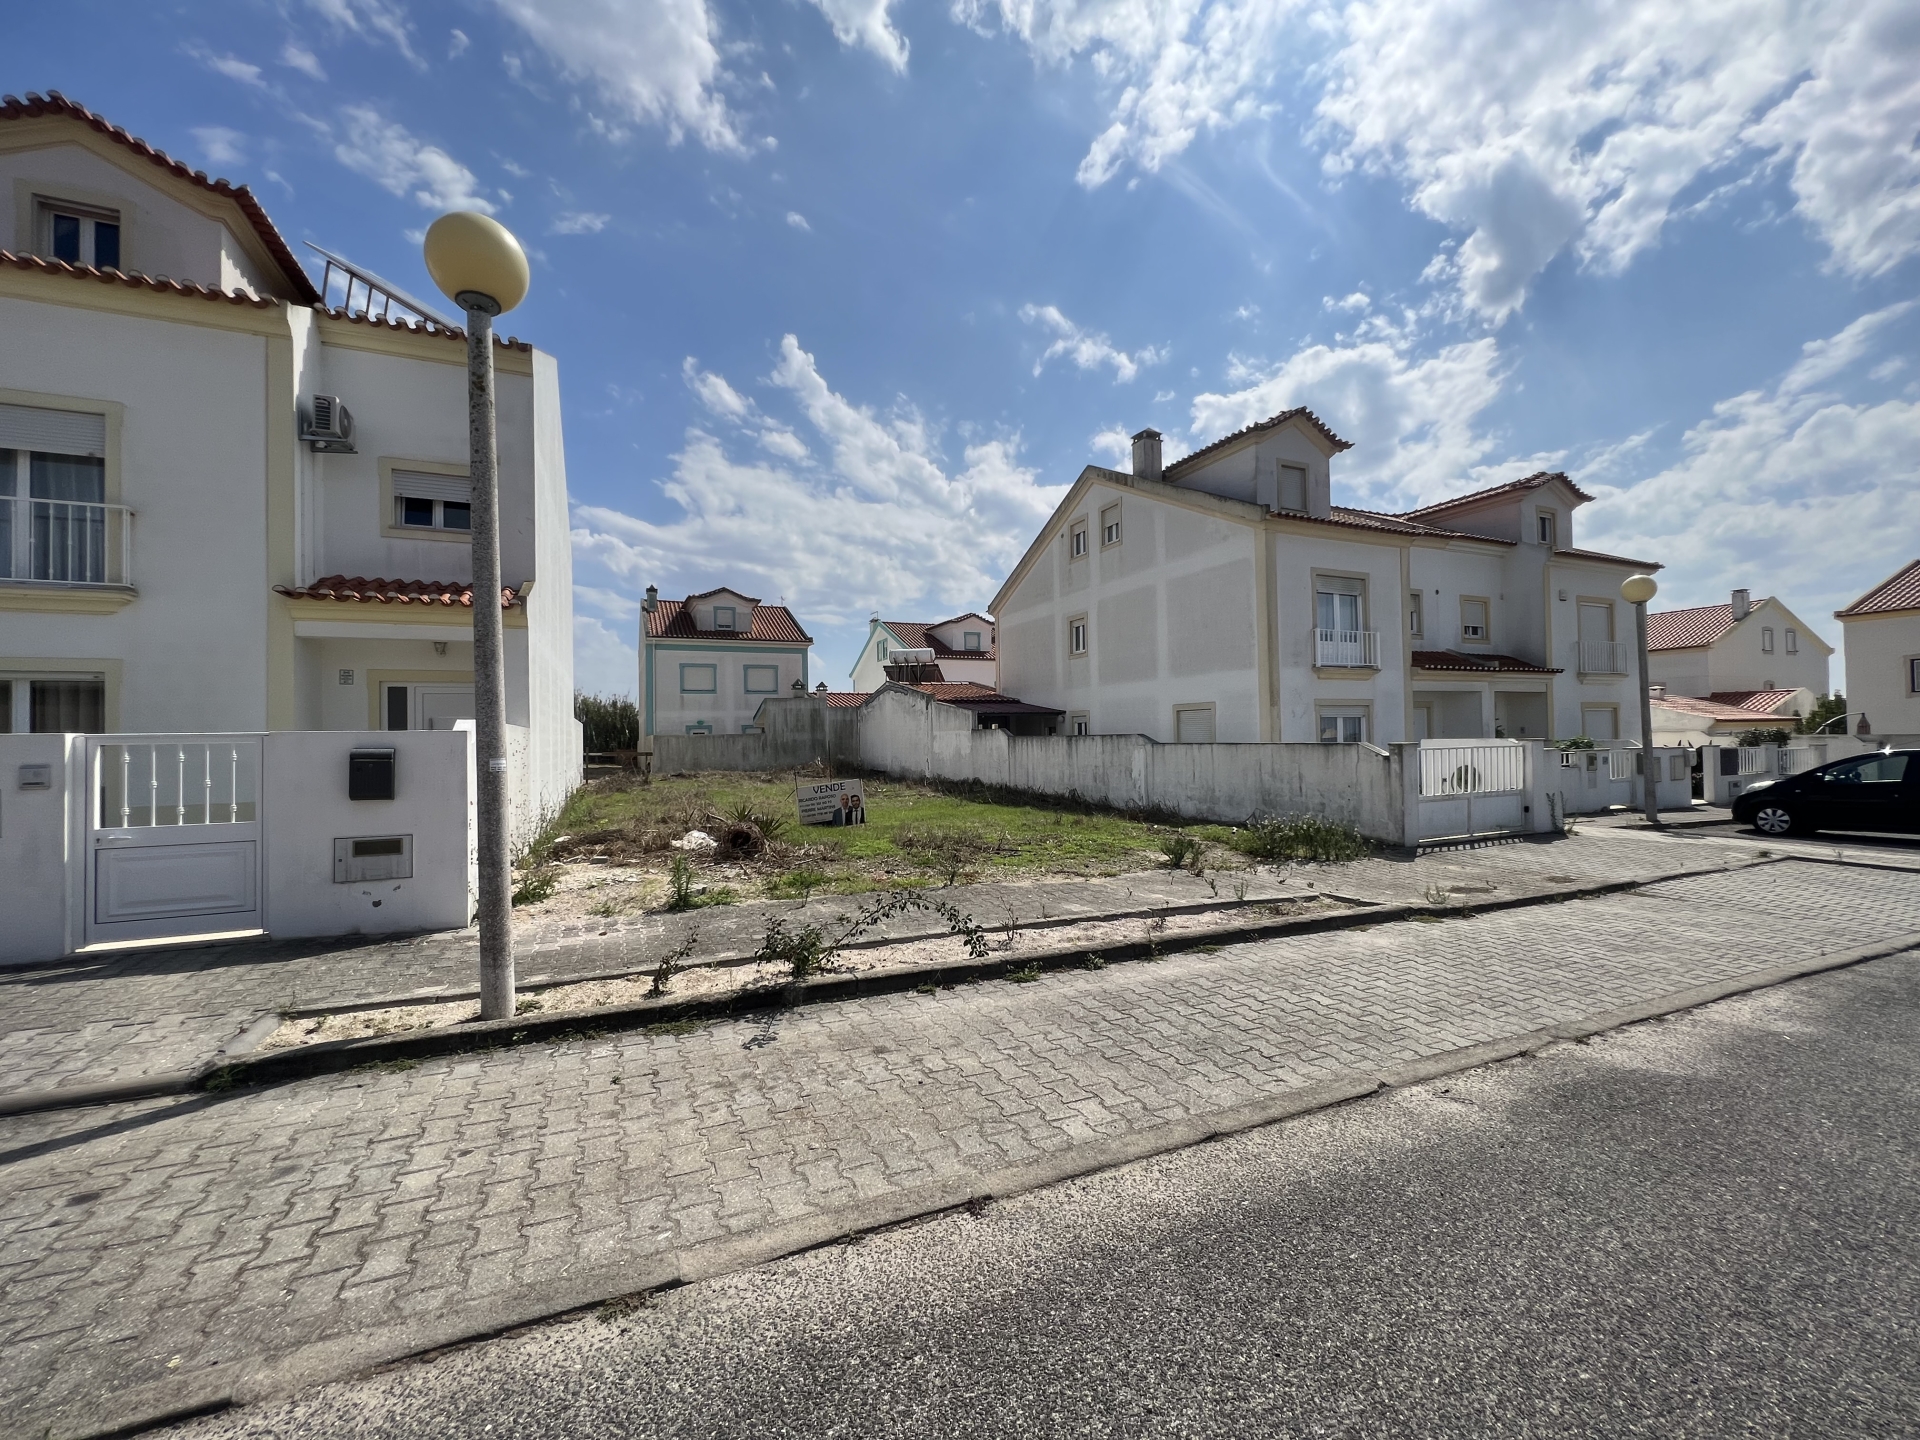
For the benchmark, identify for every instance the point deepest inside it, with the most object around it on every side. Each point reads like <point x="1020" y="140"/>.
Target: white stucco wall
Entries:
<point x="42" y="849"/>
<point x="1879" y="648"/>
<point x="1299" y="559"/>
<point x="665" y="710"/>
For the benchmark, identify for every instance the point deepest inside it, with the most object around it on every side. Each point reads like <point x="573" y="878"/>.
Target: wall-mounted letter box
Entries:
<point x="372" y="857"/>
<point x="370" y="774"/>
<point x="36" y="777"/>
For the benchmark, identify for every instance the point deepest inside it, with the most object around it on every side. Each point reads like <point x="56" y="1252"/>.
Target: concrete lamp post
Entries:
<point x="482" y="269"/>
<point x="1637" y="590"/>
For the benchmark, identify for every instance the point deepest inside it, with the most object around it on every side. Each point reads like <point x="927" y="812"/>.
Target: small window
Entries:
<point x="80" y="235"/>
<point x="1766" y="640"/>
<point x="1345" y="726"/>
<point x="723" y="617"/>
<point x="1110" y="526"/>
<point x="1473" y="622"/>
<point x="1913" y="676"/>
<point x="1548" y="525"/>
<point x="1078" y="724"/>
<point x="880" y="651"/>
<point x="1293" y="488"/>
<point x="970" y="640"/>
<point x="699" y="680"/>
<point x="432" y="502"/>
<point x="1193" y="724"/>
<point x="1077" y="636"/>
<point x="1793" y="641"/>
<point x="1077" y="541"/>
<point x="700" y="727"/>
<point x="1414" y="622"/>
<point x="752" y="730"/>
<point x="761" y="679"/>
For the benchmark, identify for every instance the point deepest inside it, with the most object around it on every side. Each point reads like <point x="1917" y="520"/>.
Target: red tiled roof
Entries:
<point x="1761" y="702"/>
<point x="1686" y="629"/>
<point x="54" y="103"/>
<point x="917" y="635"/>
<point x="1899" y="591"/>
<point x="725" y="590"/>
<point x="133" y="282"/>
<point x="1573" y="554"/>
<point x="1501" y="664"/>
<point x="424" y="327"/>
<point x="972" y="696"/>
<point x="1714" y="710"/>
<point x="1512" y="487"/>
<point x="357" y="589"/>
<point x="671" y="620"/>
<point x="1267" y="424"/>
<point x="842" y="699"/>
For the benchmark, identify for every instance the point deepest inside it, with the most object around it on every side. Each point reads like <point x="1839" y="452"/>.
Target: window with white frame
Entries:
<point x="1793" y="641"/>
<point x="1339" y="604"/>
<point x="1414" y="611"/>
<point x="880" y="651"/>
<point x="1547" y="528"/>
<point x="1077" y="635"/>
<point x="1343" y="724"/>
<point x="53" y="704"/>
<point x="1766" y="640"/>
<point x="760" y="679"/>
<point x="79" y="234"/>
<point x="699" y="679"/>
<point x="1077" y="540"/>
<point x="432" y="502"/>
<point x="1110" y="526"/>
<point x="1193" y="724"/>
<point x="53" y="512"/>
<point x="970" y="640"/>
<point x="1474" y="629"/>
<point x="1078" y="723"/>
<point x="723" y="618"/>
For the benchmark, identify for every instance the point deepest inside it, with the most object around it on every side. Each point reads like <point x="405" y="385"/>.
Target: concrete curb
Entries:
<point x="347" y="1357"/>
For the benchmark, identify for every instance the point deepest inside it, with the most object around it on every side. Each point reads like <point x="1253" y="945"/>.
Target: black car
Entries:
<point x="1868" y="792"/>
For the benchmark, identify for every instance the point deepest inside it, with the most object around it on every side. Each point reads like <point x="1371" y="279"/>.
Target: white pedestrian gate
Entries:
<point x="173" y="836"/>
<point x="1473" y="787"/>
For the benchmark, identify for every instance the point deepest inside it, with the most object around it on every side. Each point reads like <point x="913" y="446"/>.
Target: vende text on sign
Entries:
<point x="832" y="802"/>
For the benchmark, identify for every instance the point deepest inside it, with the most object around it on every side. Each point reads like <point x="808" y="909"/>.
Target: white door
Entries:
<point x="437" y="707"/>
<point x="173" y="837"/>
<point x="1422" y="722"/>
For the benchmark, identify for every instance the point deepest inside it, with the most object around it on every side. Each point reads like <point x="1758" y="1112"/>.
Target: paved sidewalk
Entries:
<point x="162" y="1253"/>
<point x="123" y="1017"/>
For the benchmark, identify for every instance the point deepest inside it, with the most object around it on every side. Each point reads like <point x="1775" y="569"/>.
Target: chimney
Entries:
<point x="653" y="599"/>
<point x="1656" y="691"/>
<point x="1146" y="455"/>
<point x="1742" y="603"/>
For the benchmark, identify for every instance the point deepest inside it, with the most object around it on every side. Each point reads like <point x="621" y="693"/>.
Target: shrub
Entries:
<point x="1825" y="711"/>
<point x="1301" y="837"/>
<point x="607" y="722"/>
<point x="1183" y="851"/>
<point x="681" y="894"/>
<point x="771" y="824"/>
<point x="1772" y="736"/>
<point x="1579" y="742"/>
<point x="535" y="885"/>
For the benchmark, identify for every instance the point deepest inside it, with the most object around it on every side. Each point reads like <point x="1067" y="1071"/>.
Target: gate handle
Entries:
<point x="122" y="837"/>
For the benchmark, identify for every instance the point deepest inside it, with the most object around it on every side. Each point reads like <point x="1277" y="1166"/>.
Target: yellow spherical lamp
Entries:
<point x="1638" y="589"/>
<point x="474" y="258"/>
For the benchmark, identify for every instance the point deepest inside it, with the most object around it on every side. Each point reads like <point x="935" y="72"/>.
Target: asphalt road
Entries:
<point x="1700" y="1226"/>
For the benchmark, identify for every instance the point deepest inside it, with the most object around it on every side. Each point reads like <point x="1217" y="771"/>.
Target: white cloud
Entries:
<point x="882" y="522"/>
<point x="1086" y="349"/>
<point x="865" y="23"/>
<point x="1788" y="490"/>
<point x="231" y="66"/>
<point x="297" y="57"/>
<point x="388" y="154"/>
<point x="1116" y="442"/>
<point x="579" y="222"/>
<point x="457" y="43"/>
<point x="606" y="658"/>
<point x="220" y="145"/>
<point x="653" y="63"/>
<point x="371" y="20"/>
<point x="797" y="220"/>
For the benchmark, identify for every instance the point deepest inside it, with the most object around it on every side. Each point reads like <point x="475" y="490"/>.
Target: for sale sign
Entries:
<point x="832" y="802"/>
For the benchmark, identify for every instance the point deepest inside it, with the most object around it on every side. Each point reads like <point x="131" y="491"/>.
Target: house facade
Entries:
<point x="964" y="649"/>
<point x="177" y="553"/>
<point x="1224" y="597"/>
<point x="1747" y="654"/>
<point x="1882" y="630"/>
<point x="710" y="661"/>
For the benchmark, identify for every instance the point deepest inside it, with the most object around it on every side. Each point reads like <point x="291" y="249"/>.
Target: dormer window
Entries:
<point x="723" y="617"/>
<point x="80" y="234"/>
<point x="970" y="640"/>
<point x="1293" y="488"/>
<point x="1547" y="522"/>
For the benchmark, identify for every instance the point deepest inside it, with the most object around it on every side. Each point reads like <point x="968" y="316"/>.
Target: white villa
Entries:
<point x="202" y="462"/>
<point x="708" y="663"/>
<point x="1225" y="597"/>
<point x="1882" y="630"/>
<point x="1751" y="655"/>
<point x="964" y="649"/>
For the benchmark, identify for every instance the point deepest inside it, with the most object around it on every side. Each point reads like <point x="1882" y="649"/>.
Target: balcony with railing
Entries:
<point x="1347" y="649"/>
<point x="65" y="542"/>
<point x="1604" y="657"/>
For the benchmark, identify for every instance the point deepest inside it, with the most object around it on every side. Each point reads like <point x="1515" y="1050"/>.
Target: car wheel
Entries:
<point x="1772" y="820"/>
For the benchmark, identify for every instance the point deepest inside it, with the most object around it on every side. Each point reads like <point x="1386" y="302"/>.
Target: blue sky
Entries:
<point x="845" y="292"/>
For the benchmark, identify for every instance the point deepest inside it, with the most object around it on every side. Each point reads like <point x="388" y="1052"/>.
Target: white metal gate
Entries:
<point x="1474" y="787"/>
<point x="173" y="836"/>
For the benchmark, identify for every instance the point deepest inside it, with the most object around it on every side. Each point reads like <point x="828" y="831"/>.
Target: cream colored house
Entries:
<point x="1747" y="654"/>
<point x="710" y="661"/>
<point x="1882" y="631"/>
<point x="1225" y="597"/>
<point x="963" y="649"/>
<point x="185" y="545"/>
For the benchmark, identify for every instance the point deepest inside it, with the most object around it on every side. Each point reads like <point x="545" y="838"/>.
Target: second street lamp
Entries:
<point x="1637" y="590"/>
<point x="482" y="269"/>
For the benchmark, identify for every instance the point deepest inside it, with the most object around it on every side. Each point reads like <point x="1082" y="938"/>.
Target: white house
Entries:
<point x="964" y="649"/>
<point x="178" y="553"/>
<point x="708" y="663"/>
<point x="1225" y="597"/>
<point x="1882" y="630"/>
<point x="1746" y="655"/>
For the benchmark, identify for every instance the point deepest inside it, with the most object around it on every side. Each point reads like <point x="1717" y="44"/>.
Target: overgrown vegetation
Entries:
<point x="607" y="722"/>
<point x="1578" y="742"/>
<point x="811" y="948"/>
<point x="684" y="894"/>
<point x="535" y="884"/>
<point x="1826" y="710"/>
<point x="1301" y="837"/>
<point x="1773" y="735"/>
<point x="1184" y="850"/>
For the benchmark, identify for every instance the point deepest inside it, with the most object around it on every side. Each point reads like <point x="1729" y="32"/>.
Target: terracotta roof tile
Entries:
<point x="1490" y="664"/>
<point x="843" y="699"/>
<point x="1714" y="710"/>
<point x="1267" y="424"/>
<point x="357" y="589"/>
<point x="772" y="624"/>
<point x="134" y="282"/>
<point x="422" y="327"/>
<point x="1686" y="629"/>
<point x="1899" y="591"/>
<point x="1511" y="487"/>
<point x="54" y="103"/>
<point x="1761" y="702"/>
<point x="917" y="635"/>
<point x="1573" y="554"/>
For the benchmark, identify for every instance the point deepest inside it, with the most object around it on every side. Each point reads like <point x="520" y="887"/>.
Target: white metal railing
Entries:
<point x="1473" y="769"/>
<point x="1620" y="764"/>
<point x="1795" y="758"/>
<point x="178" y="782"/>
<point x="65" y="542"/>
<point x="1603" y="657"/>
<point x="1358" y="649"/>
<point x="1753" y="759"/>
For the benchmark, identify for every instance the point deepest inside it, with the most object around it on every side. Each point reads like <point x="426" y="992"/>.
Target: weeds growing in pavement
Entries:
<point x="682" y="894"/>
<point x="527" y="1006"/>
<point x="797" y="884"/>
<point x="1183" y="851"/>
<point x="807" y="951"/>
<point x="671" y="964"/>
<point x="536" y="885"/>
<point x="1301" y="837"/>
<point x="1025" y="975"/>
<point x="1094" y="961"/>
<point x="1240" y="888"/>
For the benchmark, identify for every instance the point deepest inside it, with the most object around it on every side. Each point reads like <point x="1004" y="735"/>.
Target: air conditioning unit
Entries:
<point x="327" y="425"/>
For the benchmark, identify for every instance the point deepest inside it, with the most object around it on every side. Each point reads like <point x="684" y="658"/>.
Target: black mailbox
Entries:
<point x="370" y="774"/>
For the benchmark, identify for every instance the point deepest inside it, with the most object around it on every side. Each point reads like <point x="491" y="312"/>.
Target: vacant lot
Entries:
<point x="612" y="850"/>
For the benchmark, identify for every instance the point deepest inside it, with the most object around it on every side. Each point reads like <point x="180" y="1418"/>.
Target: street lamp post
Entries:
<point x="1637" y="590"/>
<point x="482" y="269"/>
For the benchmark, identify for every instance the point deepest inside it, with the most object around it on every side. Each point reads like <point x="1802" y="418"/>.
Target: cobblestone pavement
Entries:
<point x="169" y="1244"/>
<point x="140" y="1013"/>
